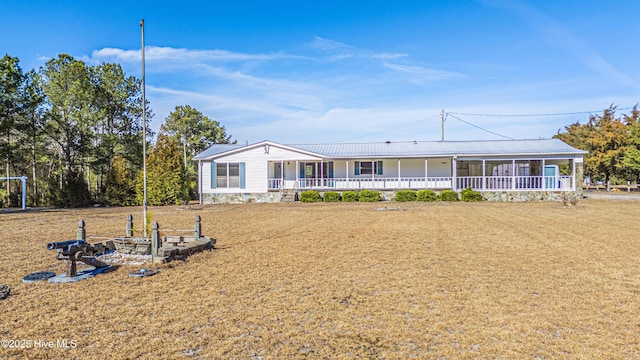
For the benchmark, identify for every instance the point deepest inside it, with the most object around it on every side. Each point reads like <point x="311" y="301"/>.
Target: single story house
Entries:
<point x="504" y="170"/>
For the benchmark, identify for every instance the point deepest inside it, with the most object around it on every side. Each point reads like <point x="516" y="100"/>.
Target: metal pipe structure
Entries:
<point x="23" y="179"/>
<point x="72" y="251"/>
<point x="144" y="140"/>
<point x="65" y="244"/>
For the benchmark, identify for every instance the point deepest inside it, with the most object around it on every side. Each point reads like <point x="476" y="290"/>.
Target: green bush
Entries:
<point x="331" y="196"/>
<point x="120" y="185"/>
<point x="3" y="198"/>
<point x="310" y="196"/>
<point x="406" y="195"/>
<point x="350" y="196"/>
<point x="75" y="192"/>
<point x="448" y="195"/>
<point x="470" y="195"/>
<point x="166" y="177"/>
<point x="427" y="195"/>
<point x="369" y="196"/>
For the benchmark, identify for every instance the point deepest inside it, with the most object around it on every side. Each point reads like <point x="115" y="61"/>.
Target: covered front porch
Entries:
<point x="492" y="174"/>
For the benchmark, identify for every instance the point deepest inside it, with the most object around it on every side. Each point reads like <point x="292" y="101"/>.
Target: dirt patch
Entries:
<point x="450" y="280"/>
<point x="612" y="195"/>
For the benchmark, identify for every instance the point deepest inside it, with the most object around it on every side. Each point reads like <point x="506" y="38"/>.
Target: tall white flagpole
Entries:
<point x="144" y="140"/>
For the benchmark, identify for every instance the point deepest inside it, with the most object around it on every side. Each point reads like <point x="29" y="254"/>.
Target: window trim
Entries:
<point x="215" y="177"/>
<point x="377" y="168"/>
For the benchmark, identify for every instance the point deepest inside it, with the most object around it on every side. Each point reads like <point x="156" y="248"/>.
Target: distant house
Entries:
<point x="503" y="170"/>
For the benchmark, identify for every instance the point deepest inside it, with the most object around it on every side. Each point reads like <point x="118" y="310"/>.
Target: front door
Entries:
<point x="310" y="174"/>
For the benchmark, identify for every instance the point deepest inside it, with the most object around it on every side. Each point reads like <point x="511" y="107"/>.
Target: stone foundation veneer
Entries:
<point x="521" y="196"/>
<point x="270" y="197"/>
<point x="493" y="196"/>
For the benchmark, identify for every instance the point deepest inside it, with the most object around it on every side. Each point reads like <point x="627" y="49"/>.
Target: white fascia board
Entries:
<point x="258" y="144"/>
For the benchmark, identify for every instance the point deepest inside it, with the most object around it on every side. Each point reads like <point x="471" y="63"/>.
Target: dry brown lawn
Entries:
<point x="441" y="280"/>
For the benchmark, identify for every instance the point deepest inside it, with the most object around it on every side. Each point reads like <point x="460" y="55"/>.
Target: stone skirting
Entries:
<point x="521" y="196"/>
<point x="270" y="197"/>
<point x="386" y="195"/>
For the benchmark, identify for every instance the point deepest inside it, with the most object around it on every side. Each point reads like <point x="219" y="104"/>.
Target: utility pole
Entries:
<point x="184" y="147"/>
<point x="442" y="125"/>
<point x="144" y="140"/>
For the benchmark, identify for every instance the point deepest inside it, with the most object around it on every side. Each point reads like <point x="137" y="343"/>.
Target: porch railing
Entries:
<point x="564" y="182"/>
<point x="483" y="183"/>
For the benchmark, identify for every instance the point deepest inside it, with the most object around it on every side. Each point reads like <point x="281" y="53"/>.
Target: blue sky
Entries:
<point x="353" y="71"/>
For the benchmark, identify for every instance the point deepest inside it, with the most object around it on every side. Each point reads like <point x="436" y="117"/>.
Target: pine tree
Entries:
<point x="166" y="176"/>
<point x="120" y="186"/>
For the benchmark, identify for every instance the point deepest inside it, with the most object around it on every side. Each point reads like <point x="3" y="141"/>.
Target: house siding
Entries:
<point x="256" y="168"/>
<point x="261" y="162"/>
<point x="437" y="167"/>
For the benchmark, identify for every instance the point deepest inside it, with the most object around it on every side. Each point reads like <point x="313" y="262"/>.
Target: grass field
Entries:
<point x="437" y="280"/>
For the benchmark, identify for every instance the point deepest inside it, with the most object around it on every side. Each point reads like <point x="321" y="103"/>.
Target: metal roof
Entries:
<point x="216" y="149"/>
<point x="439" y="148"/>
<point x="421" y="149"/>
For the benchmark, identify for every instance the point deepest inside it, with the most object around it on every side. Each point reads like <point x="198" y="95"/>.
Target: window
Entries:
<point x="309" y="170"/>
<point x="368" y="167"/>
<point x="234" y="175"/>
<point x="312" y="170"/>
<point x="221" y="178"/>
<point x="469" y="168"/>
<point x="227" y="175"/>
<point x="499" y="168"/>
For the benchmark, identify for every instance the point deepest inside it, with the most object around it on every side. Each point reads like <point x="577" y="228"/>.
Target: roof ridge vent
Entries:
<point x="388" y="142"/>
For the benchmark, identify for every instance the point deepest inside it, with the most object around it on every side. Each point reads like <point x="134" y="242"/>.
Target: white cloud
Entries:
<point x="156" y="53"/>
<point x="326" y="44"/>
<point x="318" y="97"/>
<point x="340" y="51"/>
<point x="419" y="73"/>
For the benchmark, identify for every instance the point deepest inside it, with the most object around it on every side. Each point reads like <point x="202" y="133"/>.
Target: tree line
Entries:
<point x="613" y="143"/>
<point x="76" y="132"/>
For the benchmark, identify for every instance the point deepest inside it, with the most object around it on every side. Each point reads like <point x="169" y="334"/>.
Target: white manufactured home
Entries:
<point x="504" y="170"/>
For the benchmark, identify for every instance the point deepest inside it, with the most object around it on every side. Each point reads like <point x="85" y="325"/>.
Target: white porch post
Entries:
<point x="573" y="174"/>
<point x="347" y="171"/>
<point x="484" y="175"/>
<point x="297" y="171"/>
<point x="373" y="171"/>
<point x="513" y="175"/>
<point x="200" y="182"/>
<point x="281" y="174"/>
<point x="426" y="174"/>
<point x="399" y="177"/>
<point x="544" y="180"/>
<point x="321" y="173"/>
<point x="454" y="170"/>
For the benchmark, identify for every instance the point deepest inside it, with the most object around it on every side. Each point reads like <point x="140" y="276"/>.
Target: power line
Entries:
<point x="386" y="130"/>
<point x="542" y="114"/>
<point x="478" y="127"/>
<point x="446" y="115"/>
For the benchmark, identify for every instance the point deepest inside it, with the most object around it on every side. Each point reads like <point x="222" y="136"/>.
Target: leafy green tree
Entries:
<point x="630" y="164"/>
<point x="606" y="139"/>
<point x="167" y="182"/>
<point x="64" y="124"/>
<point x="75" y="193"/>
<point x="34" y="142"/>
<point x="120" y="185"/>
<point x="70" y="119"/>
<point x="195" y="132"/>
<point x="119" y="126"/>
<point x="608" y="143"/>
<point x="11" y="79"/>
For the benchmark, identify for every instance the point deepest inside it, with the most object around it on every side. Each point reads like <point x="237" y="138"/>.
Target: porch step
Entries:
<point x="288" y="195"/>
